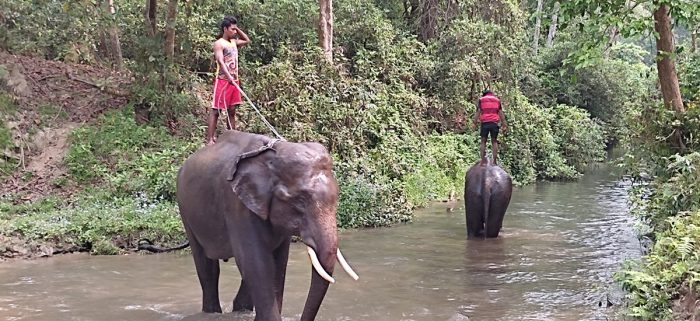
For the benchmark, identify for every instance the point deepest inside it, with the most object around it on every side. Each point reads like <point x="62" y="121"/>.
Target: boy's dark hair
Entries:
<point x="486" y="92"/>
<point x="227" y="22"/>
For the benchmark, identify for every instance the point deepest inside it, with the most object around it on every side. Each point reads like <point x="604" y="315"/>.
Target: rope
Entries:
<point x="272" y="128"/>
<point x="228" y="120"/>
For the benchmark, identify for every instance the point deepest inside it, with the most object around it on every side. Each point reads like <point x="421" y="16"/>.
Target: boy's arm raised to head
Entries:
<point x="243" y="40"/>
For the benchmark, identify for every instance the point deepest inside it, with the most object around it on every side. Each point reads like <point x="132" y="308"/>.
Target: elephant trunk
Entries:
<point x="325" y="252"/>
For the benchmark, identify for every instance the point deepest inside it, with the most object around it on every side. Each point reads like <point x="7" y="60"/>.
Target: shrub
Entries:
<point x="365" y="203"/>
<point x="580" y="139"/>
<point x="127" y="157"/>
<point x="671" y="205"/>
<point x="94" y="222"/>
<point x="441" y="167"/>
<point x="689" y="77"/>
<point x="530" y="150"/>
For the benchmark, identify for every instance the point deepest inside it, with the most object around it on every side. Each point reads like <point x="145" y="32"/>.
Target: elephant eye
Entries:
<point x="302" y="201"/>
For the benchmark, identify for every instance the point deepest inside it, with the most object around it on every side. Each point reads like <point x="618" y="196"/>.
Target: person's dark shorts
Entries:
<point x="491" y="128"/>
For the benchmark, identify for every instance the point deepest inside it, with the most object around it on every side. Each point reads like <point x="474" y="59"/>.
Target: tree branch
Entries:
<point x="109" y="90"/>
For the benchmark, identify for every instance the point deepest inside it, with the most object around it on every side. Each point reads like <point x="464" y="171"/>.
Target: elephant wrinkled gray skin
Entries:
<point x="245" y="197"/>
<point x="487" y="192"/>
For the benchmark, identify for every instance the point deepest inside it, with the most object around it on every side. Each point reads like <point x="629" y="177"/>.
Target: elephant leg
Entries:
<point x="244" y="298"/>
<point x="281" y="258"/>
<point x="497" y="210"/>
<point x="258" y="271"/>
<point x="257" y="266"/>
<point x="475" y="217"/>
<point x="208" y="273"/>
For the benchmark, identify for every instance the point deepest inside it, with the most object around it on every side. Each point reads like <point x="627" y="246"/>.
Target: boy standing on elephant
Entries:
<point x="489" y="112"/>
<point x="226" y="85"/>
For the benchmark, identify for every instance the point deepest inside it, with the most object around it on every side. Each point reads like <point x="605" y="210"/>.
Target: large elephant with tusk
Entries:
<point x="245" y="197"/>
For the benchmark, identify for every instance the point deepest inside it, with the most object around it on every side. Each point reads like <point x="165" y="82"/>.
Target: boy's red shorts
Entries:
<point x="226" y="94"/>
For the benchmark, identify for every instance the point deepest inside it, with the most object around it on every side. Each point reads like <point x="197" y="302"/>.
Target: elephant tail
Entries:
<point x="487" y="208"/>
<point x="146" y="244"/>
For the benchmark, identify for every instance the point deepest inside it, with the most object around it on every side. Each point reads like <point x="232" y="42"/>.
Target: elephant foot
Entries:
<point x="474" y="235"/>
<point x="212" y="308"/>
<point x="270" y="317"/>
<point x="244" y="298"/>
<point x="242" y="306"/>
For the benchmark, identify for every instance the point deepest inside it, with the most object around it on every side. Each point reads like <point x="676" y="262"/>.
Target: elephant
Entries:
<point x="245" y="197"/>
<point x="487" y="192"/>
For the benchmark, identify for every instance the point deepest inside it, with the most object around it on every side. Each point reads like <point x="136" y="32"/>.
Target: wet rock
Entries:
<point x="605" y="302"/>
<point x="459" y="317"/>
<point x="45" y="250"/>
<point x="120" y="242"/>
<point x="66" y="248"/>
<point x="18" y="250"/>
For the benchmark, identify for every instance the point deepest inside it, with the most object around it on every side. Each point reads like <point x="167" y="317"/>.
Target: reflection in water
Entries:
<point x="560" y="244"/>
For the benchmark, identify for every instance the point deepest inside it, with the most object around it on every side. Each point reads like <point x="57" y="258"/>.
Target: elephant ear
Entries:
<point x="251" y="181"/>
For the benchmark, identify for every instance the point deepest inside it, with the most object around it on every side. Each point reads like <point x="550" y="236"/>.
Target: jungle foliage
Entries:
<point x="394" y="107"/>
<point x="664" y="157"/>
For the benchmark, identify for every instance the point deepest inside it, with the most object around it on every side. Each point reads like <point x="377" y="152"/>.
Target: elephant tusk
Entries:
<point x="317" y="265"/>
<point x="346" y="266"/>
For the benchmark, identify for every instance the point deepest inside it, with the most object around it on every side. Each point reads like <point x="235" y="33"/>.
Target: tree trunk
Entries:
<point x="665" y="60"/>
<point x="553" y="26"/>
<point x="170" y="30"/>
<point x="451" y="11"/>
<point x="325" y="28"/>
<point x="111" y="36"/>
<point x="614" y="32"/>
<point x="412" y="16"/>
<point x="428" y="20"/>
<point x="538" y="25"/>
<point x="150" y="16"/>
<point x="115" y="48"/>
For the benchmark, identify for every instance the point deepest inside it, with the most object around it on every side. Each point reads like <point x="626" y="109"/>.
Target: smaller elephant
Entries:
<point x="487" y="192"/>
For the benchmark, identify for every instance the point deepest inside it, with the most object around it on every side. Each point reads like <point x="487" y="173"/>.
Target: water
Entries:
<point x="554" y="260"/>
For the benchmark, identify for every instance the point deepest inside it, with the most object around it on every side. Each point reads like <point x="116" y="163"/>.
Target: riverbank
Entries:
<point x="665" y="283"/>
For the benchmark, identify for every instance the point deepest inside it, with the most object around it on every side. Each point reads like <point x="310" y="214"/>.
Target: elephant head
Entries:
<point x="291" y="186"/>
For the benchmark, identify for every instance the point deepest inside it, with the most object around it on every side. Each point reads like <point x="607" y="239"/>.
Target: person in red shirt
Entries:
<point x="226" y="94"/>
<point x="489" y="112"/>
